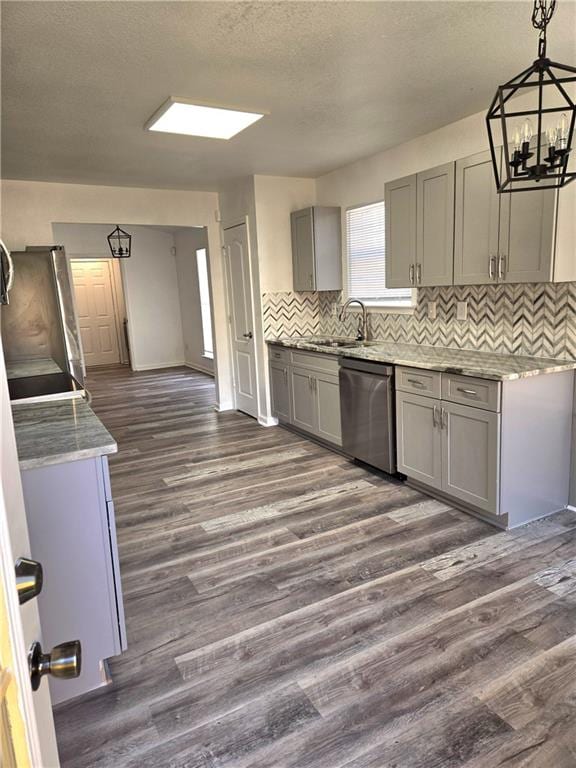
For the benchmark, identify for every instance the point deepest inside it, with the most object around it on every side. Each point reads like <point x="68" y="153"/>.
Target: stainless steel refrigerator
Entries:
<point x="40" y="332"/>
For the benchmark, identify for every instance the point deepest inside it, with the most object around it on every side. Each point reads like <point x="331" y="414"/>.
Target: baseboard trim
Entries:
<point x="267" y="421"/>
<point x="571" y="507"/>
<point x="227" y="405"/>
<point x="159" y="366"/>
<point x="199" y="368"/>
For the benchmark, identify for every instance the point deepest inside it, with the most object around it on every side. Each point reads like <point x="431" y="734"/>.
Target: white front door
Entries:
<point x="96" y="310"/>
<point x="241" y="318"/>
<point x="33" y="738"/>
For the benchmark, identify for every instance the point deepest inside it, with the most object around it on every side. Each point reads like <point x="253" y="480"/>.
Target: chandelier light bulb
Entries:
<point x="527" y="131"/>
<point x="551" y="134"/>
<point x="562" y="131"/>
<point x="517" y="139"/>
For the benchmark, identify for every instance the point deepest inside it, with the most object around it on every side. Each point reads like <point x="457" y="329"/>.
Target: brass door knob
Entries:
<point x="29" y="579"/>
<point x="63" y="661"/>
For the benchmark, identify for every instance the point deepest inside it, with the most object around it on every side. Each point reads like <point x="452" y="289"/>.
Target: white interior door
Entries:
<point x="241" y="318"/>
<point x="34" y="739"/>
<point x="96" y="311"/>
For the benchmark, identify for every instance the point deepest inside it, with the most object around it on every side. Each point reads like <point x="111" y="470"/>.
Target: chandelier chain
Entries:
<point x="541" y="14"/>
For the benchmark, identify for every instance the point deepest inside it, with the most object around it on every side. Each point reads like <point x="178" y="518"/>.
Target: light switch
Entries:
<point x="432" y="310"/>
<point x="462" y="310"/>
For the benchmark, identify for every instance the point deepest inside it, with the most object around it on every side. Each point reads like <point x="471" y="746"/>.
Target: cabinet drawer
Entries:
<point x="419" y="381"/>
<point x="467" y="390"/>
<point x="280" y="354"/>
<point x="319" y="362"/>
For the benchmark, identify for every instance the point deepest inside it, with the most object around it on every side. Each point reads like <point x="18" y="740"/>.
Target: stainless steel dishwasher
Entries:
<point x="367" y="412"/>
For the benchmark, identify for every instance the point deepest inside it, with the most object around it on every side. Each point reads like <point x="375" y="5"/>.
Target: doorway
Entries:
<point x="100" y="308"/>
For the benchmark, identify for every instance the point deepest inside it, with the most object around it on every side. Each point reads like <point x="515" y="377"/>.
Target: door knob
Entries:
<point x="29" y="579"/>
<point x="247" y="335"/>
<point x="63" y="661"/>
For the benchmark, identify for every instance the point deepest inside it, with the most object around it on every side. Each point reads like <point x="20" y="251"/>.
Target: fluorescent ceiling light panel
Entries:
<point x="179" y="116"/>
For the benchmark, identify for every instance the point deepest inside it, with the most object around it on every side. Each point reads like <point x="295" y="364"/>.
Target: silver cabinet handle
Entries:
<point x="435" y="417"/>
<point x="311" y="281"/>
<point x="286" y="375"/>
<point x="501" y="269"/>
<point x="444" y="418"/>
<point x="64" y="661"/>
<point x="416" y="383"/>
<point x="29" y="579"/>
<point x="418" y="274"/>
<point x="411" y="274"/>
<point x="491" y="261"/>
<point x="467" y="391"/>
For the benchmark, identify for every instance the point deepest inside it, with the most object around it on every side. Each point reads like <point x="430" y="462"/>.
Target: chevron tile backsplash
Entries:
<point x="525" y="319"/>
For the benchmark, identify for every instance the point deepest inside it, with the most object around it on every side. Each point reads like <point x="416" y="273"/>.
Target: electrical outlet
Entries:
<point x="432" y="310"/>
<point x="462" y="310"/>
<point x="334" y="309"/>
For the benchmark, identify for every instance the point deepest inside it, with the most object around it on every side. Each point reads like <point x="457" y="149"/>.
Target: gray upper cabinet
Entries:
<point x="477" y="218"/>
<point x="316" y="249"/>
<point x="526" y="242"/>
<point x="435" y="226"/>
<point x="400" y="216"/>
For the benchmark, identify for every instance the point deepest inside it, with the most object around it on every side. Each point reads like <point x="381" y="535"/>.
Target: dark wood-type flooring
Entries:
<point x="289" y="609"/>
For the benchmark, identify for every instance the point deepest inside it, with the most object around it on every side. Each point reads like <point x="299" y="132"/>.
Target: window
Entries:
<point x="366" y="253"/>
<point x="202" y="265"/>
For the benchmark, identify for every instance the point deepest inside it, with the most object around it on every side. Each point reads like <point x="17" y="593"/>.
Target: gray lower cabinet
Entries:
<point x="280" y="390"/>
<point x="304" y="410"/>
<point x="471" y="455"/>
<point x="419" y="447"/>
<point x="498" y="449"/>
<point x="72" y="533"/>
<point x="305" y="392"/>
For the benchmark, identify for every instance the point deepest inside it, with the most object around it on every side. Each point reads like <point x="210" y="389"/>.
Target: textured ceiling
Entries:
<point x="341" y="80"/>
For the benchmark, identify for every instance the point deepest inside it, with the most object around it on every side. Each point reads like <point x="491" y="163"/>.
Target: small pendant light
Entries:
<point x="120" y="243"/>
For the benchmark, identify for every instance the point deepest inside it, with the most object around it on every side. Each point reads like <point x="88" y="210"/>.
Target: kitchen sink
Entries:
<point x="337" y="343"/>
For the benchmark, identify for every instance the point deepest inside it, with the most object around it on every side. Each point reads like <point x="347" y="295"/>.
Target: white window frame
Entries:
<point x="208" y="354"/>
<point x="371" y="306"/>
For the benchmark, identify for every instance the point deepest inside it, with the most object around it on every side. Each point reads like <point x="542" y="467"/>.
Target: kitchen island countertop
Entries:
<point x="466" y="362"/>
<point x="59" y="431"/>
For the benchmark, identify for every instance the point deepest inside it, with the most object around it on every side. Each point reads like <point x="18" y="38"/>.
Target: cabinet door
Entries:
<point x="303" y="250"/>
<point x="304" y="412"/>
<point x="279" y="391"/>
<point x="527" y="223"/>
<point x="435" y="226"/>
<point x="327" y="390"/>
<point x="471" y="455"/>
<point x="400" y="215"/>
<point x="419" y="438"/>
<point x="477" y="211"/>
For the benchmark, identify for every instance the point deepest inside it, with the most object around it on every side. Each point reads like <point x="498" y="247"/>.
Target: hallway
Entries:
<point x="286" y="608"/>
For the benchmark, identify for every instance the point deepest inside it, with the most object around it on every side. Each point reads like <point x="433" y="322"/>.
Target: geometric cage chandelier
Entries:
<point x="120" y="243"/>
<point x="537" y="137"/>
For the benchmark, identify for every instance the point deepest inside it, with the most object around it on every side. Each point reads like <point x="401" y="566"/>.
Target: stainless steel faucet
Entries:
<point x="363" y="327"/>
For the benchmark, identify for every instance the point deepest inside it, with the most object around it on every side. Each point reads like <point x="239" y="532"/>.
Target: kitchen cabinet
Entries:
<point x="420" y="228"/>
<point x="400" y="227"/>
<point x="435" y="226"/>
<point x="419" y="445"/>
<point x="508" y="238"/>
<point x="280" y="390"/>
<point x="72" y="533"/>
<point x="316" y="249"/>
<point x="500" y="450"/>
<point x="477" y="221"/>
<point x="305" y="392"/>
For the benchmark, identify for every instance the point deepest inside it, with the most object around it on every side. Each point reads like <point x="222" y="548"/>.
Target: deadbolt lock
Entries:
<point x="29" y="579"/>
<point x="63" y="661"/>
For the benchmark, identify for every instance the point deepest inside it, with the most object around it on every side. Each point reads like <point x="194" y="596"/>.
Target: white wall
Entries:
<point x="29" y="208"/>
<point x="276" y="197"/>
<point x="187" y="242"/>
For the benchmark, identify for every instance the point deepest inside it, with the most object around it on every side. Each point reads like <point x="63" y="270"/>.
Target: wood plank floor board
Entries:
<point x="288" y="608"/>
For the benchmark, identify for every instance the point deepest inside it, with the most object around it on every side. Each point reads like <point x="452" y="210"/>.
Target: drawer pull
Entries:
<point x="416" y="383"/>
<point x="467" y="391"/>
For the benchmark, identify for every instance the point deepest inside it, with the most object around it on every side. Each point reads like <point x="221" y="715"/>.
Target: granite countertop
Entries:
<point x="59" y="431"/>
<point x="468" y="362"/>
<point x="21" y="369"/>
